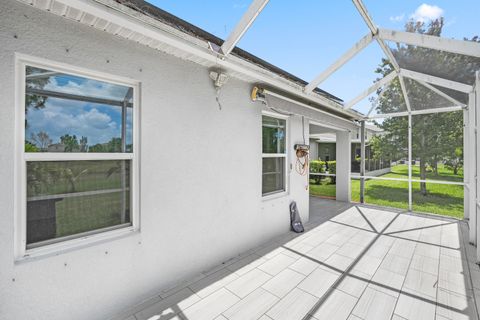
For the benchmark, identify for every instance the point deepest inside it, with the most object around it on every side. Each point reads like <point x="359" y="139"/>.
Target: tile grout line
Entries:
<point x="438" y="269"/>
<point x="405" y="279"/>
<point x="370" y="281"/>
<point x="345" y="273"/>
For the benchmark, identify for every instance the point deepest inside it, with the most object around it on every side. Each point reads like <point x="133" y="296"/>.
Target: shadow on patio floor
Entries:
<point x="353" y="262"/>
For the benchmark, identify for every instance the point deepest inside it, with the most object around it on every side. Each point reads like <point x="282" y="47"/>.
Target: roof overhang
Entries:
<point x="133" y="24"/>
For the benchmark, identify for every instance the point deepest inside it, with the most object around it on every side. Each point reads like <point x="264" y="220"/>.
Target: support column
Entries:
<point x="344" y="163"/>
<point x="470" y="165"/>
<point x="362" y="162"/>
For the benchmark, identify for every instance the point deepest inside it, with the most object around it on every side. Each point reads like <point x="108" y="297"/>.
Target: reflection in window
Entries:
<point x="69" y="197"/>
<point x="68" y="113"/>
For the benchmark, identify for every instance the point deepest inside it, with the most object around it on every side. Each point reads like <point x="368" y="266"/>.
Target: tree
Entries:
<point x="455" y="161"/>
<point x="70" y="143"/>
<point x="33" y="100"/>
<point x="83" y="144"/>
<point x="42" y="140"/>
<point x="30" y="147"/>
<point x="114" y="145"/>
<point x="435" y="136"/>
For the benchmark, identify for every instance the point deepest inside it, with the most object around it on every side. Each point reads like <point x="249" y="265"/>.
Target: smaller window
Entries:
<point x="273" y="155"/>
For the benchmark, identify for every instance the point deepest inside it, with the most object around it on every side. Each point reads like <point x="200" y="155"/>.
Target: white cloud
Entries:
<point x="426" y="12"/>
<point x="69" y="117"/>
<point x="88" y="87"/>
<point x="398" y="18"/>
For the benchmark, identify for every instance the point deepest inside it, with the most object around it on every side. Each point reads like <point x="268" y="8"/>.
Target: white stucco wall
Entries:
<point x="199" y="207"/>
<point x="313" y="149"/>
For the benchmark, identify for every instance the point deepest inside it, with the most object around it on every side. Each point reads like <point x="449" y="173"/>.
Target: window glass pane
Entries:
<point x="273" y="133"/>
<point x="70" y="197"/>
<point x="67" y="113"/>
<point x="273" y="175"/>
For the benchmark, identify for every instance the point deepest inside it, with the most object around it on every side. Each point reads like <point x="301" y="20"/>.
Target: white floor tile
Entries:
<point x="169" y="306"/>
<point x="338" y="262"/>
<point x="322" y="251"/>
<point x="425" y="264"/>
<point x="211" y="306"/>
<point x="248" y="282"/>
<point x="252" y="307"/>
<point x="304" y="266"/>
<point x="246" y="264"/>
<point x="387" y="281"/>
<point x="352" y="285"/>
<point x="318" y="282"/>
<point x="213" y="282"/>
<point x="455" y="282"/>
<point x="294" y="305"/>
<point x="374" y="304"/>
<point x="283" y="283"/>
<point x="421" y="283"/>
<point x="276" y="264"/>
<point x="409" y="307"/>
<point x="395" y="263"/>
<point x="455" y="306"/>
<point x="337" y="306"/>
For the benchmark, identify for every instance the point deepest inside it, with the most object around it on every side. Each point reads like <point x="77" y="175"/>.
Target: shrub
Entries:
<point x="317" y="166"/>
<point x="332" y="169"/>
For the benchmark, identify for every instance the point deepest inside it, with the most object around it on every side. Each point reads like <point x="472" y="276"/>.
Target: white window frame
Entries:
<point x="82" y="239"/>
<point x="280" y="193"/>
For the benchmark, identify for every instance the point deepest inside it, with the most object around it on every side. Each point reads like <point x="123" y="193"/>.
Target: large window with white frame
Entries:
<point x="274" y="154"/>
<point x="78" y="170"/>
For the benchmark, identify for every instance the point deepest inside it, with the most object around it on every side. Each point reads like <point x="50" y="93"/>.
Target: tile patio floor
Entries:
<point x="353" y="262"/>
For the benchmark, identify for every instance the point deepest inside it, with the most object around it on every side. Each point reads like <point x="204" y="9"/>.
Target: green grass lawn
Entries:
<point x="86" y="212"/>
<point x="441" y="199"/>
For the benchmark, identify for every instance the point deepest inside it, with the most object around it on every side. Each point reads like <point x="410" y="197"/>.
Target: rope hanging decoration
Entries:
<point x="302" y="163"/>
<point x="301" y="152"/>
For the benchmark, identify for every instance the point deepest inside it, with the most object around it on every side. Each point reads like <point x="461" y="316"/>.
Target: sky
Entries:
<point x="304" y="37"/>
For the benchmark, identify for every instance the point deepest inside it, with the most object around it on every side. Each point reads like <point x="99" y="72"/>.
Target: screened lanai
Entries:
<point x="416" y="76"/>
<point x="422" y="76"/>
<point x="222" y="121"/>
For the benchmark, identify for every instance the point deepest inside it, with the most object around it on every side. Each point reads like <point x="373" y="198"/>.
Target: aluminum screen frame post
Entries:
<point x="476" y="104"/>
<point x="377" y="85"/>
<point x="362" y="161"/>
<point x="410" y="193"/>
<point x="347" y="56"/>
<point x="471" y="164"/>
<point x="242" y="26"/>
<point x="466" y="151"/>
<point x="432" y="42"/>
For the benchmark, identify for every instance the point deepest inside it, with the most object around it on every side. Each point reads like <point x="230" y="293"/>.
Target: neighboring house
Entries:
<point x="325" y="143"/>
<point x="323" y="147"/>
<point x="85" y="235"/>
<point x="56" y="147"/>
